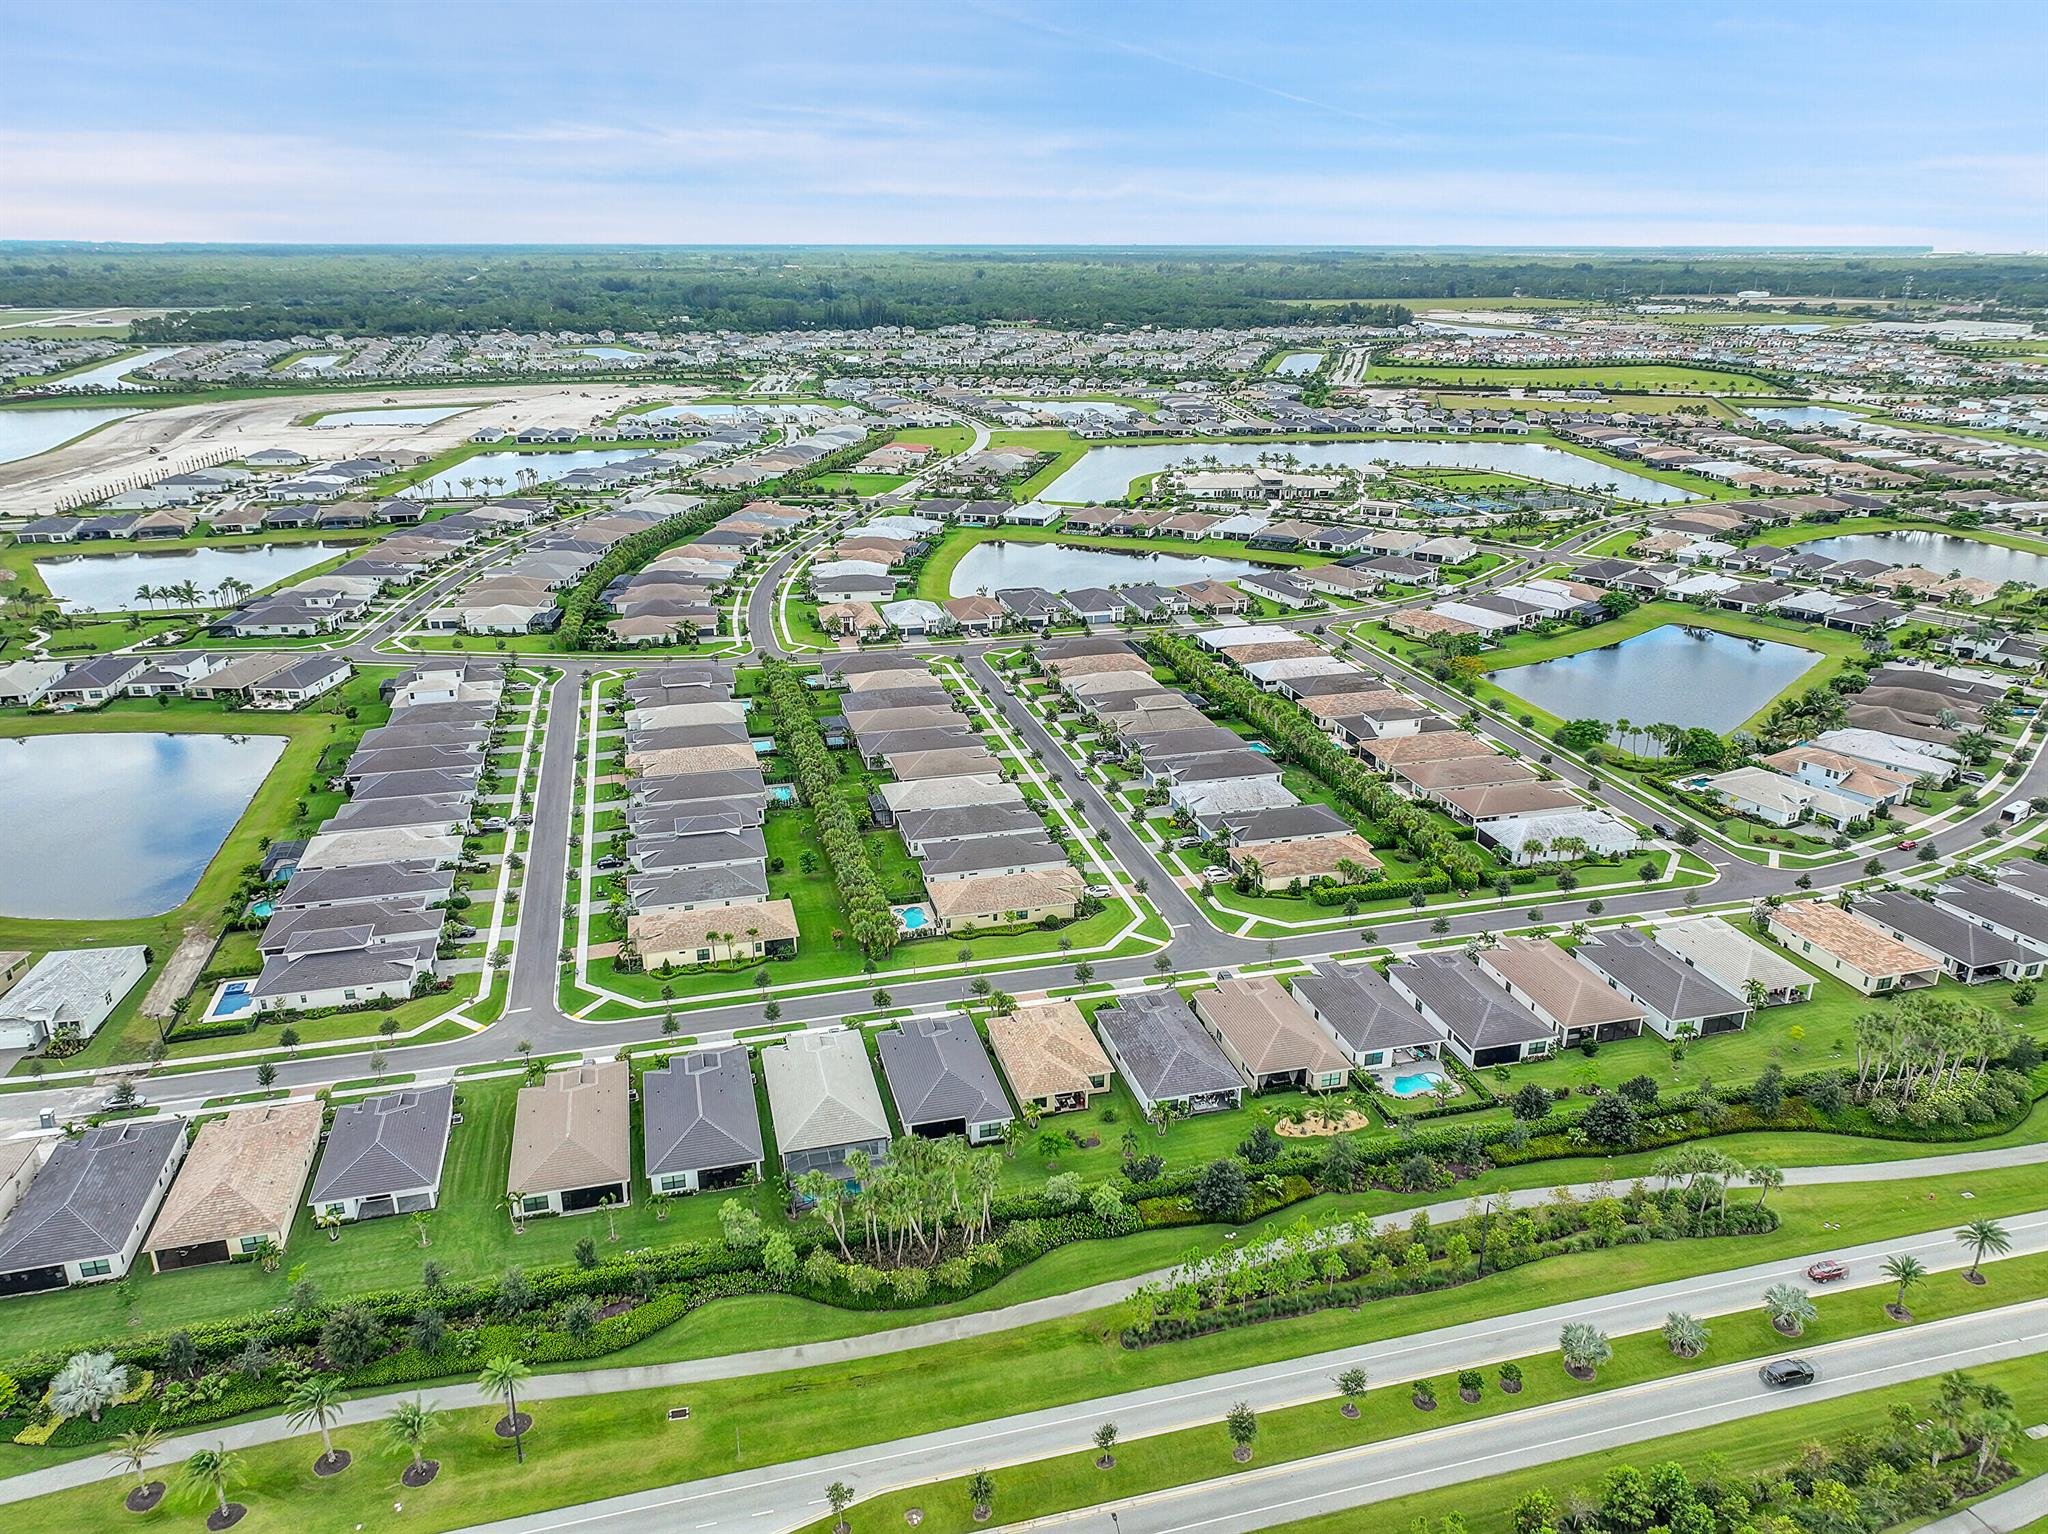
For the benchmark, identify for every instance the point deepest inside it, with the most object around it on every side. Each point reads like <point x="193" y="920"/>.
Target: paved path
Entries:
<point x="2007" y="1513"/>
<point x="1284" y="1382"/>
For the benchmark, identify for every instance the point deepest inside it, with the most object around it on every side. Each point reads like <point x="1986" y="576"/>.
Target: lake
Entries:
<point x="1105" y="473"/>
<point x="1943" y="552"/>
<point x="1078" y="409"/>
<point x="89" y="837"/>
<point x="504" y="468"/>
<point x="1295" y="364"/>
<point x="1663" y="676"/>
<point x="397" y="415"/>
<point x="107" y="583"/>
<point x="998" y="565"/>
<point x="25" y="433"/>
<point x="1801" y="417"/>
<point x="610" y="353"/>
<point x="110" y="375"/>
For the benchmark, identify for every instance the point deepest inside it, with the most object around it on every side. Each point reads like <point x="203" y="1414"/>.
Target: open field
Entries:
<point x="1637" y="377"/>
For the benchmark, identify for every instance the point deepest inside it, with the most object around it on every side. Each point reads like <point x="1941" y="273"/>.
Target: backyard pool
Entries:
<point x="229" y="1000"/>
<point x="913" y="918"/>
<point x="1418" y="1083"/>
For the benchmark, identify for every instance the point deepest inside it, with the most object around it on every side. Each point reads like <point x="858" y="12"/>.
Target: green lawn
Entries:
<point x="1639" y="377"/>
<point x="858" y="484"/>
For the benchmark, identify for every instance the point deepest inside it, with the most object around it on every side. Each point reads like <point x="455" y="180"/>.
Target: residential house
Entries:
<point x="1851" y="948"/>
<point x="700" y="1123"/>
<point x="942" y="1081"/>
<point x="572" y="1141"/>
<point x="1566" y="995"/>
<point x="384" y="1155"/>
<point x="83" y="1217"/>
<point x="1054" y="1063"/>
<point x="1165" y="1056"/>
<point x="238" y="1191"/>
<point x="1268" y="1038"/>
<point x="1968" y="951"/>
<point x="68" y="993"/>
<point x="1377" y="1029"/>
<point x="1733" y="961"/>
<point x="1677" y="1000"/>
<point x="1481" y="1024"/>
<point x="823" y="1102"/>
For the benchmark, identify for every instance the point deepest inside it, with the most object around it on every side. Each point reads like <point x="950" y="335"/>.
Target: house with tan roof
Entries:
<point x="857" y="619"/>
<point x="1850" y="948"/>
<point x="1420" y="623"/>
<point x="1426" y="746"/>
<point x="1007" y="900"/>
<point x="572" y="1145"/>
<point x="1276" y="865"/>
<point x="1268" y="1039"/>
<point x="1577" y="1003"/>
<point x="238" y="1188"/>
<point x="751" y="929"/>
<point x="1050" y="1056"/>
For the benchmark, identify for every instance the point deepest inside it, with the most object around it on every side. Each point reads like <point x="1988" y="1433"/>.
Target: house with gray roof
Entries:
<point x="1375" y="1027"/>
<point x="384" y="1155"/>
<point x="922" y="829"/>
<point x="823" y="1101"/>
<point x="1482" y="1025"/>
<point x="700" y="1125"/>
<point x="1672" y="994"/>
<point x="1027" y="852"/>
<point x="942" y="1080"/>
<point x="1998" y="908"/>
<point x="1165" y="1054"/>
<point x="1969" y="951"/>
<point x="83" y="1217"/>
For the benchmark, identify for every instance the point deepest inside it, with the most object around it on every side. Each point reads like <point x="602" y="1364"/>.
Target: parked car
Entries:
<point x="1218" y="875"/>
<point x="1099" y="891"/>
<point x="1827" y="1270"/>
<point x="1907" y="846"/>
<point x="1782" y="1373"/>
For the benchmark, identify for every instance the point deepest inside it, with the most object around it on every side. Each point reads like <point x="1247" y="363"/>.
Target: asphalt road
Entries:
<point x="787" y="1496"/>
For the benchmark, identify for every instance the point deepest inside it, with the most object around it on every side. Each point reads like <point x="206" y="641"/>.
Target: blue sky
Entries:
<point x="1116" y="121"/>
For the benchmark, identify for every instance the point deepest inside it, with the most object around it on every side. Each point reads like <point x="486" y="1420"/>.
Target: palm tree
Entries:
<point x="216" y="1469"/>
<point x="87" y="1385"/>
<point x="133" y="1451"/>
<point x="1905" y="1270"/>
<point x="1584" y="1348"/>
<point x="1685" y="1335"/>
<point x="316" y="1400"/>
<point x="503" y="1375"/>
<point x="1789" y="1307"/>
<point x="1764" y="1177"/>
<point x="1982" y="1236"/>
<point x="407" y="1428"/>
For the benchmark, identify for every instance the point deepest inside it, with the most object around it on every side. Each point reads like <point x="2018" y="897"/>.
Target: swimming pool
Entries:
<point x="230" y="999"/>
<point x="1417" y="1083"/>
<point x="262" y="908"/>
<point x="1259" y="746"/>
<point x="913" y="918"/>
<point x="782" y="793"/>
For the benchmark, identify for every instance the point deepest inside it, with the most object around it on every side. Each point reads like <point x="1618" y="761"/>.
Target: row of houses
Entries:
<point x="265" y="681"/>
<point x="361" y="916"/>
<point x="1969" y="929"/>
<point x="984" y="853"/>
<point x="786" y="457"/>
<point x="517" y="592"/>
<point x="696" y="805"/>
<point x="674" y="598"/>
<point x="1513" y="809"/>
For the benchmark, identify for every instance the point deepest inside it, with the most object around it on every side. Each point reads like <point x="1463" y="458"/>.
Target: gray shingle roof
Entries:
<point x="699" y="1112"/>
<point x="87" y="1198"/>
<point x="1158" y="1040"/>
<point x="386" y="1144"/>
<point x="1362" y="1009"/>
<point x="1481" y="1016"/>
<point x="938" y="1070"/>
<point x="1947" y="933"/>
<point x="1656" y="976"/>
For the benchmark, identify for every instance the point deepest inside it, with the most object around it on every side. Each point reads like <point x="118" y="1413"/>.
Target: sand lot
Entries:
<point x="155" y="443"/>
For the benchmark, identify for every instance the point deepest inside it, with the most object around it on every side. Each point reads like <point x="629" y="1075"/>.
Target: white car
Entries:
<point x="1218" y="875"/>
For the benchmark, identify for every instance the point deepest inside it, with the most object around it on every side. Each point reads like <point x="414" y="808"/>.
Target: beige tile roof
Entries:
<point x="1213" y="594"/>
<point x="1306" y="858"/>
<point x="669" y="931"/>
<point x="1851" y="939"/>
<point x="1430" y="746"/>
<point x="1421" y="622"/>
<point x="1566" y="989"/>
<point x="677" y="760"/>
<point x="1075" y="667"/>
<point x="1512" y="799"/>
<point x="1047" y="1049"/>
<point x="242" y="1177"/>
<point x="1267" y="1027"/>
<point x="1272" y="649"/>
<point x="864" y="616"/>
<point x="574" y="1130"/>
<point x="973" y="609"/>
<point x="994" y="894"/>
<point x="1367" y="700"/>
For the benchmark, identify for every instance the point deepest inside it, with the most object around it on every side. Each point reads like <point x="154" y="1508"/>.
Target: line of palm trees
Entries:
<point x="317" y="1401"/>
<point x="190" y="593"/>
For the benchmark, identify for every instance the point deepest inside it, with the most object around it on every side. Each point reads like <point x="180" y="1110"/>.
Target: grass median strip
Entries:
<point x="1038" y="1488"/>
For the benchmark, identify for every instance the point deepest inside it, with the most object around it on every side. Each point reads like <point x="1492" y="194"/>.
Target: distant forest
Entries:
<point x="279" y="291"/>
